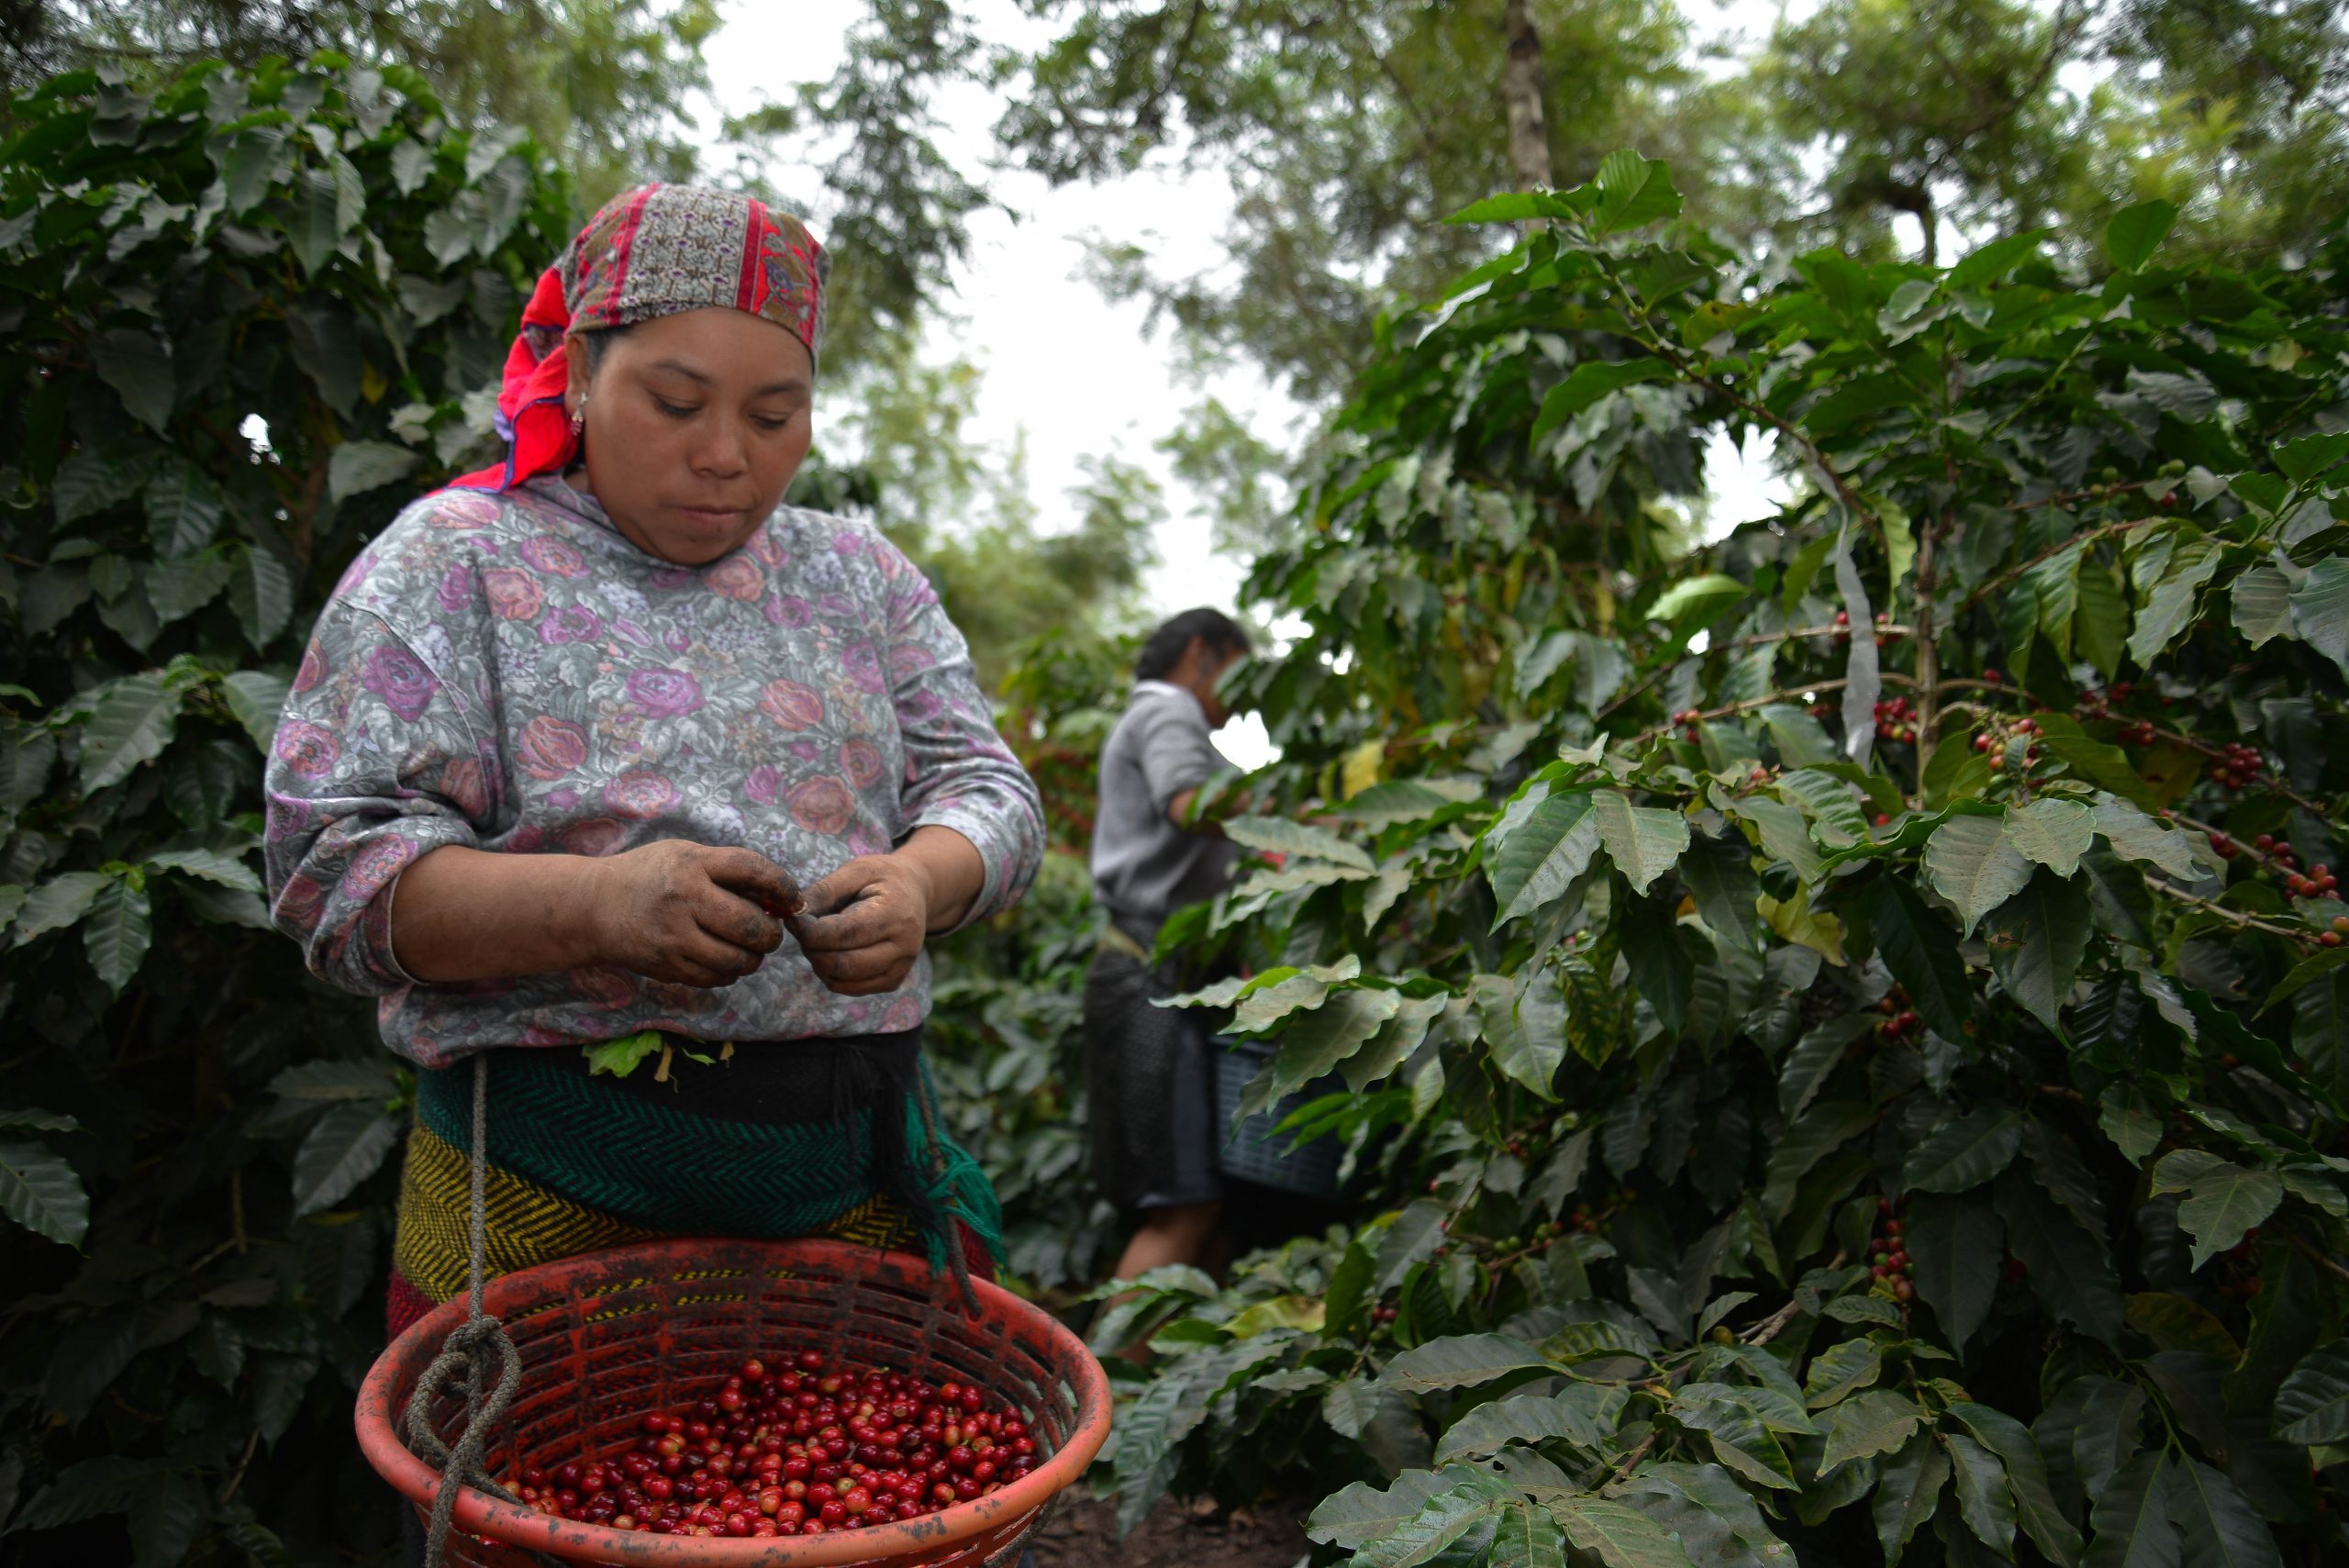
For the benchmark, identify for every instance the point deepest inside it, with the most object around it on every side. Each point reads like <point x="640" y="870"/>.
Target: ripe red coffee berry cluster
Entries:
<point x="2243" y="1252"/>
<point x="1896" y="719"/>
<point x="1993" y="741"/>
<point x="2236" y="765"/>
<point x="796" y="1451"/>
<point x="1899" y="1019"/>
<point x="2317" y="882"/>
<point x="1888" y="1256"/>
<point x="2095" y="704"/>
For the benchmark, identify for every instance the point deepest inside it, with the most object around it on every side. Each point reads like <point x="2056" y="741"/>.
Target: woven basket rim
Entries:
<point x="903" y="1541"/>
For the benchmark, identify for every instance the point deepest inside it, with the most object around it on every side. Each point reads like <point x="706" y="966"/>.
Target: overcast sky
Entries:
<point x="1072" y="373"/>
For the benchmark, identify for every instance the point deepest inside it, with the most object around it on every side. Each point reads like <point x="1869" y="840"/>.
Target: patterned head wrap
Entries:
<point x="654" y="251"/>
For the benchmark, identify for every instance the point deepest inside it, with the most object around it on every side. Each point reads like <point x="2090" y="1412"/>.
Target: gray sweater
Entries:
<point x="1144" y="866"/>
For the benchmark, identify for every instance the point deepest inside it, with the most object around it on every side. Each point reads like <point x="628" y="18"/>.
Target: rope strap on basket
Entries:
<point x="478" y="1364"/>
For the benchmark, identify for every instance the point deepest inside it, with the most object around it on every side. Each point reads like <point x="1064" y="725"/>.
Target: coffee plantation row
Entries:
<point x="1843" y="1030"/>
<point x="1853" y="1019"/>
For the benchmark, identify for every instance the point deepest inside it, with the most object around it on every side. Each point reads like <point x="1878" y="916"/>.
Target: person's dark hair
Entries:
<point x="1165" y="649"/>
<point x="595" y="341"/>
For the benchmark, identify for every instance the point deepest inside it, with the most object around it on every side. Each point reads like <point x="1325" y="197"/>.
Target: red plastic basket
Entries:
<point x="607" y="1335"/>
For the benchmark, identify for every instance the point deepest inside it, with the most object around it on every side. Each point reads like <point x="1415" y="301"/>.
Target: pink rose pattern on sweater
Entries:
<point x="508" y="672"/>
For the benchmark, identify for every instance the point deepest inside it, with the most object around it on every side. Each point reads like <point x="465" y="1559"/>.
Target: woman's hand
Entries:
<point x="862" y="927"/>
<point x="689" y="913"/>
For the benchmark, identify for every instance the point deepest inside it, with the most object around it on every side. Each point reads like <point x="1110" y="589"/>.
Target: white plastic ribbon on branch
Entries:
<point x="1862" y="684"/>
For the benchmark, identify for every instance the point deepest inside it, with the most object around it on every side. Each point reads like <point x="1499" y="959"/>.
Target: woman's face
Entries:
<point x="697" y="423"/>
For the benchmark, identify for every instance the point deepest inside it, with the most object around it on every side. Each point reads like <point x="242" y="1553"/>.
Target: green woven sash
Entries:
<point x="664" y="1169"/>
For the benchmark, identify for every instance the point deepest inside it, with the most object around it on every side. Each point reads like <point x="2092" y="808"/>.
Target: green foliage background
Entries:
<point x="248" y="315"/>
<point x="1630" y="863"/>
<point x="200" y="1123"/>
<point x="1850" y="1025"/>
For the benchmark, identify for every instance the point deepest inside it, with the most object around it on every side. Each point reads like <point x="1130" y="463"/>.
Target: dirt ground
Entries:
<point x="1085" y="1535"/>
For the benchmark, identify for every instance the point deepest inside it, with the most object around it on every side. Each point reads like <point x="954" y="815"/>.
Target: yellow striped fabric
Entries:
<point x="529" y="1224"/>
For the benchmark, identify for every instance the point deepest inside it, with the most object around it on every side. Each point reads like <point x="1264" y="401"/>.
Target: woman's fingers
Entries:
<point x="702" y="960"/>
<point x="846" y="888"/>
<point x="737" y="922"/>
<point x="756" y="877"/>
<point x="864" y="973"/>
<point x="862" y="924"/>
<point x="861" y="963"/>
<point x="862" y="927"/>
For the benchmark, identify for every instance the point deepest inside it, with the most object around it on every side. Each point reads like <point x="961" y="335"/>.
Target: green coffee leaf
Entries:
<point x="261" y="592"/>
<point x="256" y="697"/>
<point x="1458" y="1361"/>
<point x="1962" y="1154"/>
<point x="360" y="466"/>
<point x="1362" y="1512"/>
<point x="41" y="1192"/>
<point x="131" y="721"/>
<point x="2321" y="609"/>
<point x="1619" y="1535"/>
<point x="1541" y="858"/>
<point x="2169" y="609"/>
<point x="212" y="865"/>
<point x="1645" y="841"/>
<point x="2135" y="232"/>
<point x="2053" y="831"/>
<point x="1584" y="1414"/>
<point x="1285" y="836"/>
<point x="2070" y="1271"/>
<point x="106" y="1484"/>
<point x="1970" y="861"/>
<point x="344" y="1146"/>
<point x="2224" y="1202"/>
<point x="137" y="365"/>
<point x="2312" y="1405"/>
<point x="1331" y="1033"/>
<point x="116" y="931"/>
<point x="1920" y="950"/>
<point x="2037" y="939"/>
<point x="329" y="1079"/>
<point x="2218" y="1524"/>
<point x="1589" y="382"/>
<point x="1876" y="1421"/>
<point x="59" y="902"/>
<point x="2261" y="600"/>
<point x="2026" y="1478"/>
<point x="1844" y="1367"/>
<point x="1907" y="1493"/>
<point x="1954" y="1257"/>
<point x="1632" y="191"/>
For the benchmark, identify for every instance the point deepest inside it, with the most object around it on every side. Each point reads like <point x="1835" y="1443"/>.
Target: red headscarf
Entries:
<point x="654" y="251"/>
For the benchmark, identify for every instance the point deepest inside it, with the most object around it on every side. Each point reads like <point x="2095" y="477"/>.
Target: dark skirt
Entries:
<point x="1150" y="1076"/>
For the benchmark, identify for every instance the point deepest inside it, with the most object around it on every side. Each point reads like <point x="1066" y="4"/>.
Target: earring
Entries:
<point x="579" y="420"/>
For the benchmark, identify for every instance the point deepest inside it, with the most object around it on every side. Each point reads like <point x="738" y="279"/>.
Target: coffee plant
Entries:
<point x="246" y="315"/>
<point x="1853" y="1019"/>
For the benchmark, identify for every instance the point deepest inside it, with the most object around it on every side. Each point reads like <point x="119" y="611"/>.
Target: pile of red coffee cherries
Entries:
<point x="794" y="1450"/>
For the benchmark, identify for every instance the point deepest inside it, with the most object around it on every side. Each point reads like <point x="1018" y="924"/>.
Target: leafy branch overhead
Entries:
<point x="1876" y="984"/>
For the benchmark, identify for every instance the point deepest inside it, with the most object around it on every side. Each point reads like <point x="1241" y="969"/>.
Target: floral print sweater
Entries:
<point x="508" y="672"/>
